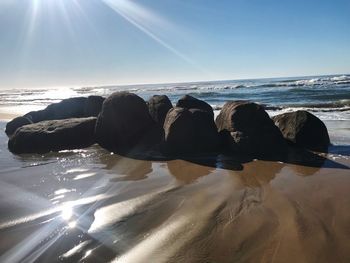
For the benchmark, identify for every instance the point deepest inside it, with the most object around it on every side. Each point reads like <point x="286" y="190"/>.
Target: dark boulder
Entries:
<point x="124" y="123"/>
<point x="93" y="106"/>
<point x="79" y="107"/>
<point x="206" y="133"/>
<point x="179" y="131"/>
<point x="16" y="123"/>
<point x="53" y="135"/>
<point x="158" y="106"/>
<point x="37" y="116"/>
<point x="67" y="108"/>
<point x="238" y="142"/>
<point x="189" y="102"/>
<point x="304" y="130"/>
<point x="245" y="127"/>
<point x="189" y="131"/>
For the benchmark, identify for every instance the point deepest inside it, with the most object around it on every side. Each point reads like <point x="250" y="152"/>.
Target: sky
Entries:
<point x="53" y="43"/>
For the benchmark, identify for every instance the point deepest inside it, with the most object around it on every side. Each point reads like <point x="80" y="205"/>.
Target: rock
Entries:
<point x="189" y="131"/>
<point x="79" y="107"/>
<point x="304" y="130"/>
<point x="67" y="108"/>
<point x="206" y="133"/>
<point x="93" y="106"/>
<point x="242" y="142"/>
<point x="189" y="102"/>
<point x="124" y="123"/>
<point x="16" y="123"/>
<point x="158" y="106"/>
<point x="179" y="131"/>
<point x="245" y="127"/>
<point x="53" y="135"/>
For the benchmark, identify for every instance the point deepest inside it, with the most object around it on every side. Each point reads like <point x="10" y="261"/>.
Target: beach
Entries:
<point x="91" y="205"/>
<point x="97" y="206"/>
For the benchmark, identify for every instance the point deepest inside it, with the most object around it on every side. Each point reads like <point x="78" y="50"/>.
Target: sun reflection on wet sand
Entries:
<point x="83" y="175"/>
<point x="72" y="224"/>
<point x="67" y="212"/>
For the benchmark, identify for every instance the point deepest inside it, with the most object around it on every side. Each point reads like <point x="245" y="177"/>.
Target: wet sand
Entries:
<point x="92" y="206"/>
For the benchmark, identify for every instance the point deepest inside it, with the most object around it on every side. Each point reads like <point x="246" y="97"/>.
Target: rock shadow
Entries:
<point x="234" y="161"/>
<point x="307" y="158"/>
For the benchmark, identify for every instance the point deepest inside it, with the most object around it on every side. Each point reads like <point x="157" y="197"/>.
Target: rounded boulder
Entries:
<point x="53" y="135"/>
<point x="16" y="123"/>
<point x="158" y="106"/>
<point x="189" y="131"/>
<point x="250" y="130"/>
<point x="189" y="102"/>
<point x="303" y="129"/>
<point x="124" y="122"/>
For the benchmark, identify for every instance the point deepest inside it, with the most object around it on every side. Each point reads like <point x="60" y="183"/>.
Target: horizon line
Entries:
<point x="177" y="82"/>
<point x="220" y="80"/>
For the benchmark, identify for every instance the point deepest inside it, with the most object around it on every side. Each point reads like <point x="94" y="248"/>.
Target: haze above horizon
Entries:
<point x="46" y="43"/>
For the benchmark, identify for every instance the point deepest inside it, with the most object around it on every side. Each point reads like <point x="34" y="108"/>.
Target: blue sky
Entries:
<point x="50" y="43"/>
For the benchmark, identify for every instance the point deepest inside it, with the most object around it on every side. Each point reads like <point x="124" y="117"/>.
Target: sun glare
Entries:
<point x="67" y="213"/>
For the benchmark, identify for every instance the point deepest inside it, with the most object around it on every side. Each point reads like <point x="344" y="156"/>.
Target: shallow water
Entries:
<point x="92" y="206"/>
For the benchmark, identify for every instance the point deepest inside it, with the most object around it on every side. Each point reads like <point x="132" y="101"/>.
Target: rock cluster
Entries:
<point x="124" y="123"/>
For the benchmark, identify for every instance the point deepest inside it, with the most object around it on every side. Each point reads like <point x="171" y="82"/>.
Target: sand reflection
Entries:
<point x="127" y="169"/>
<point x="186" y="172"/>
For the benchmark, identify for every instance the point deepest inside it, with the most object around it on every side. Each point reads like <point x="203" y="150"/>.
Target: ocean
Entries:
<point x="89" y="205"/>
<point x="326" y="96"/>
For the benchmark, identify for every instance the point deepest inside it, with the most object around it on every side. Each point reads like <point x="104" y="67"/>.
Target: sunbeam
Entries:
<point x="66" y="18"/>
<point x="147" y="22"/>
<point x="47" y="17"/>
<point x="33" y="14"/>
